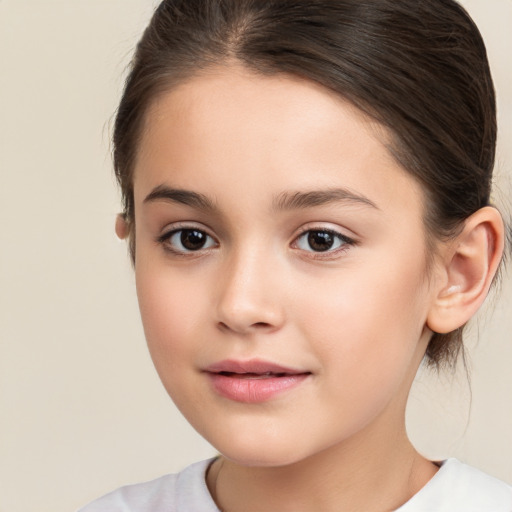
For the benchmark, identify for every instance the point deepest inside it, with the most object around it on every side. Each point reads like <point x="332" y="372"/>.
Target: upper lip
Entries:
<point x="254" y="366"/>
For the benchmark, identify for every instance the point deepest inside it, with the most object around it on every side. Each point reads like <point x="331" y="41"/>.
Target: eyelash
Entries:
<point x="344" y="242"/>
<point x="165" y="241"/>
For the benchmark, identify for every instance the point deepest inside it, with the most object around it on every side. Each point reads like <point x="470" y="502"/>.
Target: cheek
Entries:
<point x="170" y="309"/>
<point x="368" y="321"/>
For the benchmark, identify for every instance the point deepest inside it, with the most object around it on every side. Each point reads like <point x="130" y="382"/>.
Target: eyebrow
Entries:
<point x="299" y="200"/>
<point x="186" y="197"/>
<point x="284" y="201"/>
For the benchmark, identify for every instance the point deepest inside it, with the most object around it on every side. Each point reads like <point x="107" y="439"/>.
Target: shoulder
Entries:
<point x="458" y="487"/>
<point x="181" y="491"/>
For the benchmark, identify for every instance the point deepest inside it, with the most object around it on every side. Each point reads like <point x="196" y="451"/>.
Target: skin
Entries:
<point x="355" y="318"/>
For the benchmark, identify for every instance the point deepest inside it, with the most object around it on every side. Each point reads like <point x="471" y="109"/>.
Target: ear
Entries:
<point x="121" y="226"/>
<point x="469" y="264"/>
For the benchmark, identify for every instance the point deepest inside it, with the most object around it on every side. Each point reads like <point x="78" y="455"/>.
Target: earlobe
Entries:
<point x="470" y="263"/>
<point x="121" y="226"/>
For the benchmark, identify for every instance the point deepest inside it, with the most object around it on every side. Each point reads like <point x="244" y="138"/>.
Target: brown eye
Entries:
<point x="187" y="240"/>
<point x="321" y="240"/>
<point x="192" y="239"/>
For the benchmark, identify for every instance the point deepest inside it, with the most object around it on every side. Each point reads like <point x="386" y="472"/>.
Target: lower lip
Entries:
<point x="252" y="390"/>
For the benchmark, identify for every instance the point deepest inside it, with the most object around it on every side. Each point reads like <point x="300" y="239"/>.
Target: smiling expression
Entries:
<point x="280" y="265"/>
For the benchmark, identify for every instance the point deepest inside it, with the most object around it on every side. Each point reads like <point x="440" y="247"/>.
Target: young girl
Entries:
<point x="306" y="198"/>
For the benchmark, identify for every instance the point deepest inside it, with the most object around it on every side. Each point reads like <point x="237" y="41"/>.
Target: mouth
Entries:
<point x="253" y="381"/>
<point x="252" y="367"/>
<point x="254" y="376"/>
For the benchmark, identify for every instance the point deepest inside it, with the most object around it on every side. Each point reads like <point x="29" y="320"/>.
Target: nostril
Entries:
<point x="257" y="325"/>
<point x="261" y="325"/>
<point x="223" y="326"/>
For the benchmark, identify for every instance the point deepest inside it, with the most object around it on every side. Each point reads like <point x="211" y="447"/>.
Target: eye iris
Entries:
<point x="192" y="239"/>
<point x="320" y="240"/>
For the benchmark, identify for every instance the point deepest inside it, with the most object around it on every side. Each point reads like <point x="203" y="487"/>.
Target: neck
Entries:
<point x="374" y="471"/>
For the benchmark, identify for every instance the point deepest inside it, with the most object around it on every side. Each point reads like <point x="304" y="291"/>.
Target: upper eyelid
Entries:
<point x="319" y="227"/>
<point x="348" y="240"/>
<point x="183" y="225"/>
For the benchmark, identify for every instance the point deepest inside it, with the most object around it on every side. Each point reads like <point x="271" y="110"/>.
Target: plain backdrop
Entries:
<point x="81" y="408"/>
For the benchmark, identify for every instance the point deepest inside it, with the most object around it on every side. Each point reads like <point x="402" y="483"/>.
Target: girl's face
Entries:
<point x="280" y="266"/>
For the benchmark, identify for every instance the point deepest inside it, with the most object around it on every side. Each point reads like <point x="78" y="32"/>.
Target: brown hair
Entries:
<point x="419" y="67"/>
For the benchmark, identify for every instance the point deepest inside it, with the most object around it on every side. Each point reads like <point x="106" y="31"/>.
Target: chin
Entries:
<point x="245" y="452"/>
<point x="259" y="460"/>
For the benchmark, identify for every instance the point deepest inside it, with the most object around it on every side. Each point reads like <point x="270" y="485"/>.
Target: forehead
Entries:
<point x="248" y="130"/>
<point x="269" y="109"/>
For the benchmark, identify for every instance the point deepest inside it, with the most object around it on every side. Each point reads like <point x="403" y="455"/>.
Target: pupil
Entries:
<point x="320" y="240"/>
<point x="192" y="239"/>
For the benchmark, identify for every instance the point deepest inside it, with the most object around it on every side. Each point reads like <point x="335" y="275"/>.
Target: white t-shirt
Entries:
<point x="456" y="487"/>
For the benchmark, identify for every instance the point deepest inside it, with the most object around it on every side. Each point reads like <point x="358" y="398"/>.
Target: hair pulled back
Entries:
<point x="419" y="67"/>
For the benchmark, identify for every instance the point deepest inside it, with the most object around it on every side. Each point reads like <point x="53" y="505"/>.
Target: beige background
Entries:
<point x="81" y="409"/>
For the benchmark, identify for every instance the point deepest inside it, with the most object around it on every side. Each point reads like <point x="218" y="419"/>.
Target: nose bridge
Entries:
<point x="248" y="296"/>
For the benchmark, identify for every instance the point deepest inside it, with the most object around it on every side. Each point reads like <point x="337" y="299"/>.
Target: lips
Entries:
<point x="253" y="381"/>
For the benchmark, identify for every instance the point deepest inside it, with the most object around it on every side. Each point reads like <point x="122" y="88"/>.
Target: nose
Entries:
<point x="249" y="296"/>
